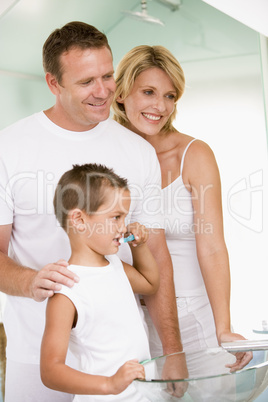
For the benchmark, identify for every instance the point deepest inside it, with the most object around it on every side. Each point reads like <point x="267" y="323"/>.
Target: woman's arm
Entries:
<point x="202" y="174"/>
<point x="57" y="375"/>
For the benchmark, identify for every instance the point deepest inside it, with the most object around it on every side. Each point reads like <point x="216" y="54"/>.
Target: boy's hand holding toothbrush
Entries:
<point x="136" y="235"/>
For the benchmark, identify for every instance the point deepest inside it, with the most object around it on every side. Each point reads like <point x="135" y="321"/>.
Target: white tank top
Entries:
<point x="109" y="329"/>
<point x="180" y="235"/>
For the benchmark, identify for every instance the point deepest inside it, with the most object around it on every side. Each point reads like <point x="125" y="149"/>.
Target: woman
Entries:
<point x="150" y="81"/>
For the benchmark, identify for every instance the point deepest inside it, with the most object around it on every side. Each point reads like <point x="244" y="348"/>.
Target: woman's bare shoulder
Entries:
<point x="199" y="162"/>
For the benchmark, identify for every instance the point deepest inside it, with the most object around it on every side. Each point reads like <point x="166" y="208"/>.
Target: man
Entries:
<point x="34" y="153"/>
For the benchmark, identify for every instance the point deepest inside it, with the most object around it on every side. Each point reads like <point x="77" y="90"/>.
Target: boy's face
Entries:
<point x="107" y="225"/>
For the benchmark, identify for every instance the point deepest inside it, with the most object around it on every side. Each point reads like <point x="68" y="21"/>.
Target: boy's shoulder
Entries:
<point x="114" y="260"/>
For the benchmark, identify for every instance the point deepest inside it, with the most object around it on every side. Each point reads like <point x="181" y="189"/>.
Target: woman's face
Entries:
<point x="150" y="103"/>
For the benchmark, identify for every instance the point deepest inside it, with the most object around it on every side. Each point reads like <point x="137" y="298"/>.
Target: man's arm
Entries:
<point x="162" y="305"/>
<point x="17" y="280"/>
<point x="162" y="308"/>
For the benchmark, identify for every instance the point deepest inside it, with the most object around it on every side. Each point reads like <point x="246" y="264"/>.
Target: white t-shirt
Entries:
<point x="34" y="153"/>
<point x="109" y="329"/>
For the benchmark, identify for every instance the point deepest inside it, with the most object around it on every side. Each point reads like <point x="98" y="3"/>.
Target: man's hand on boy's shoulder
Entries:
<point x="50" y="278"/>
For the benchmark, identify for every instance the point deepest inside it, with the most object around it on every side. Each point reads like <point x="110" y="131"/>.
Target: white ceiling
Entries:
<point x="195" y="32"/>
<point x="253" y="14"/>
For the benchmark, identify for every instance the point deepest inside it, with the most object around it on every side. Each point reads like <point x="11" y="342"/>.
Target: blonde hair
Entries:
<point x="137" y="60"/>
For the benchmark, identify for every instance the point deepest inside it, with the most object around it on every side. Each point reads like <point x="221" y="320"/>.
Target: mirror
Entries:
<point x="223" y="105"/>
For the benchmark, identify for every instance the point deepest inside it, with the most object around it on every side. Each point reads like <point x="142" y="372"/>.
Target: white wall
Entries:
<point x="223" y="105"/>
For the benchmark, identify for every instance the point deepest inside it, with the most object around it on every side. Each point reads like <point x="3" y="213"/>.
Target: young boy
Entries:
<point x="98" y="318"/>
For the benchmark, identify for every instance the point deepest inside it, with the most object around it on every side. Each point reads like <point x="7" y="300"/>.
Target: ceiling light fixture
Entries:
<point x="143" y="15"/>
<point x="172" y="4"/>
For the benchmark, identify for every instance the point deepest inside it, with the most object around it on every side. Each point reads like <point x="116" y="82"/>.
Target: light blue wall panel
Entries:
<point x="20" y="97"/>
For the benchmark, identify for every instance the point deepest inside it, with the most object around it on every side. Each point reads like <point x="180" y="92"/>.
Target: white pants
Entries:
<point x="23" y="384"/>
<point x="198" y="331"/>
<point x="196" y="323"/>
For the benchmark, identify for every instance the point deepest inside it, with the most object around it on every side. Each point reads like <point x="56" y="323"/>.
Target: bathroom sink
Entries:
<point x="208" y="378"/>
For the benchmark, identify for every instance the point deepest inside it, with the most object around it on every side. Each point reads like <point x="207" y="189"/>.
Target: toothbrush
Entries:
<point x="127" y="239"/>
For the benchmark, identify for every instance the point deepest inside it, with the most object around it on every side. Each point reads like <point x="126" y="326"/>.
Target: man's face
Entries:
<point x="86" y="90"/>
